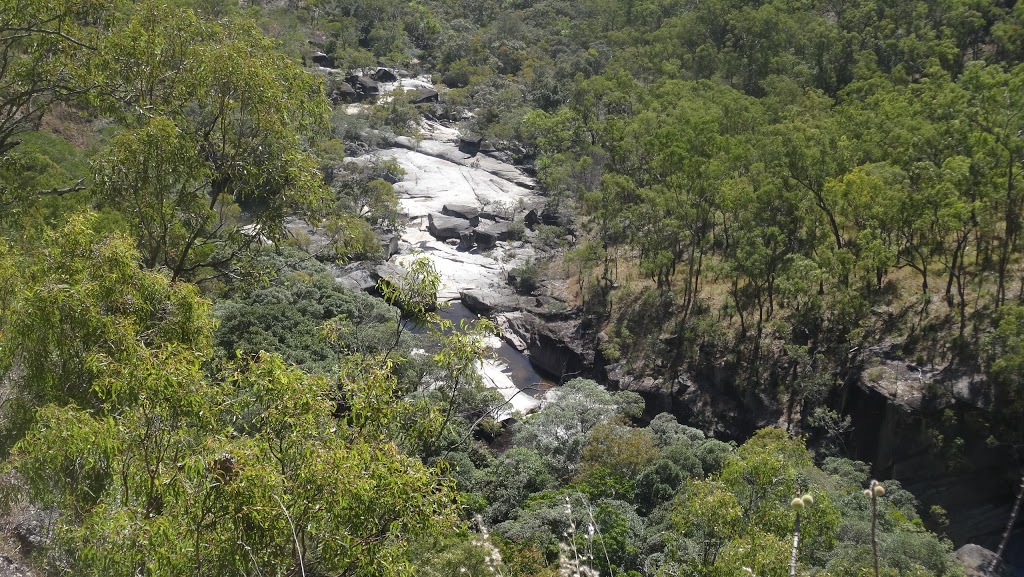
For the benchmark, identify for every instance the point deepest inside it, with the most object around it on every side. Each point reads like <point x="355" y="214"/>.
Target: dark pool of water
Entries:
<point x="1015" y="553"/>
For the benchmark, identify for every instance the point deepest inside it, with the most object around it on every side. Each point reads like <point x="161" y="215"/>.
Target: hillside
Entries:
<point x="531" y="288"/>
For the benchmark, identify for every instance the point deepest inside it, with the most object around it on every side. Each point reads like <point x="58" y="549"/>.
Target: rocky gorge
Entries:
<point x="470" y="211"/>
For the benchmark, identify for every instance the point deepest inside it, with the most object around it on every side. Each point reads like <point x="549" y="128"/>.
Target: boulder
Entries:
<point x="552" y="347"/>
<point x="359" y="280"/>
<point x="976" y="560"/>
<point x="392" y="245"/>
<point x="321" y="59"/>
<point x="470" y="143"/>
<point x="425" y="96"/>
<point x="487" y="302"/>
<point x="388" y="272"/>
<point x="552" y="216"/>
<point x="494" y="216"/>
<point x="364" y="85"/>
<point x="444" y="227"/>
<point x="384" y="75"/>
<point x="470" y="213"/>
<point x="342" y="92"/>
<point x="490" y="233"/>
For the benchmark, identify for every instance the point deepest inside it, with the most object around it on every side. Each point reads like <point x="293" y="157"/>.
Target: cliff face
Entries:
<point x="927" y="428"/>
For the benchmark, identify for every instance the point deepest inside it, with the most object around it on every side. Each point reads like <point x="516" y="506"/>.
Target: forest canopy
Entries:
<point x="763" y="190"/>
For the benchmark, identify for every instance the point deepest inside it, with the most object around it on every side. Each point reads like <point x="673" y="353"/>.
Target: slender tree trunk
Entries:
<point x="796" y="546"/>
<point x="1009" y="528"/>
<point x="874" y="525"/>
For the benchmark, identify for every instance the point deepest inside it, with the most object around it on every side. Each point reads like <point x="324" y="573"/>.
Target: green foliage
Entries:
<point x="184" y="166"/>
<point x="245" y="471"/>
<point x="562" y="429"/>
<point x="287" y="318"/>
<point x="77" y="297"/>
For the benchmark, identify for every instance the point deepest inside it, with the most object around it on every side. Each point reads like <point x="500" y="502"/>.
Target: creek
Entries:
<point x="439" y="174"/>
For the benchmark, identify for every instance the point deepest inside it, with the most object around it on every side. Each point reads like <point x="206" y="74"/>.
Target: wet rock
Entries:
<point x="470" y="213"/>
<point x="489" y="234"/>
<point x="552" y="347"/>
<point x="444" y="227"/>
<point x="487" y="302"/>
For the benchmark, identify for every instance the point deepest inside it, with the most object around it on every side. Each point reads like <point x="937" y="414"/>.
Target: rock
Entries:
<point x="388" y="272"/>
<point x="495" y="217"/>
<point x="9" y="568"/>
<point x="894" y="406"/>
<point x="487" y="302"/>
<point x="424" y="96"/>
<point x="508" y="333"/>
<point x="342" y="92"/>
<point x="384" y="75"/>
<point x="976" y="560"/>
<point x="470" y="213"/>
<point x="444" y="227"/>
<point x="321" y="59"/>
<point x="364" y="85"/>
<point x="392" y="245"/>
<point x="552" y="216"/>
<point x="657" y="393"/>
<point x="489" y="234"/>
<point x="33" y="529"/>
<point x="359" y="280"/>
<point x="552" y="347"/>
<point x="470" y="144"/>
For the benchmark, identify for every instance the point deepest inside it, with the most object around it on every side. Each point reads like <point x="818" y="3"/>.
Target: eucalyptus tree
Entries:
<point x="216" y="120"/>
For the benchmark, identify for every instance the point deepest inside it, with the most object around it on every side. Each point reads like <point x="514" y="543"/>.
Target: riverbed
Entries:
<point x="438" y="173"/>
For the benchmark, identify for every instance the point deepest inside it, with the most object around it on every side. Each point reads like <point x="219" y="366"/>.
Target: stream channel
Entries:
<point x="438" y="173"/>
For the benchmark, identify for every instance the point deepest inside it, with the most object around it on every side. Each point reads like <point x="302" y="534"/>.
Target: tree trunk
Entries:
<point x="1009" y="527"/>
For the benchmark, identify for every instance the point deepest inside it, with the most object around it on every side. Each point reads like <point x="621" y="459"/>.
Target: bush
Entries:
<point x="525" y="278"/>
